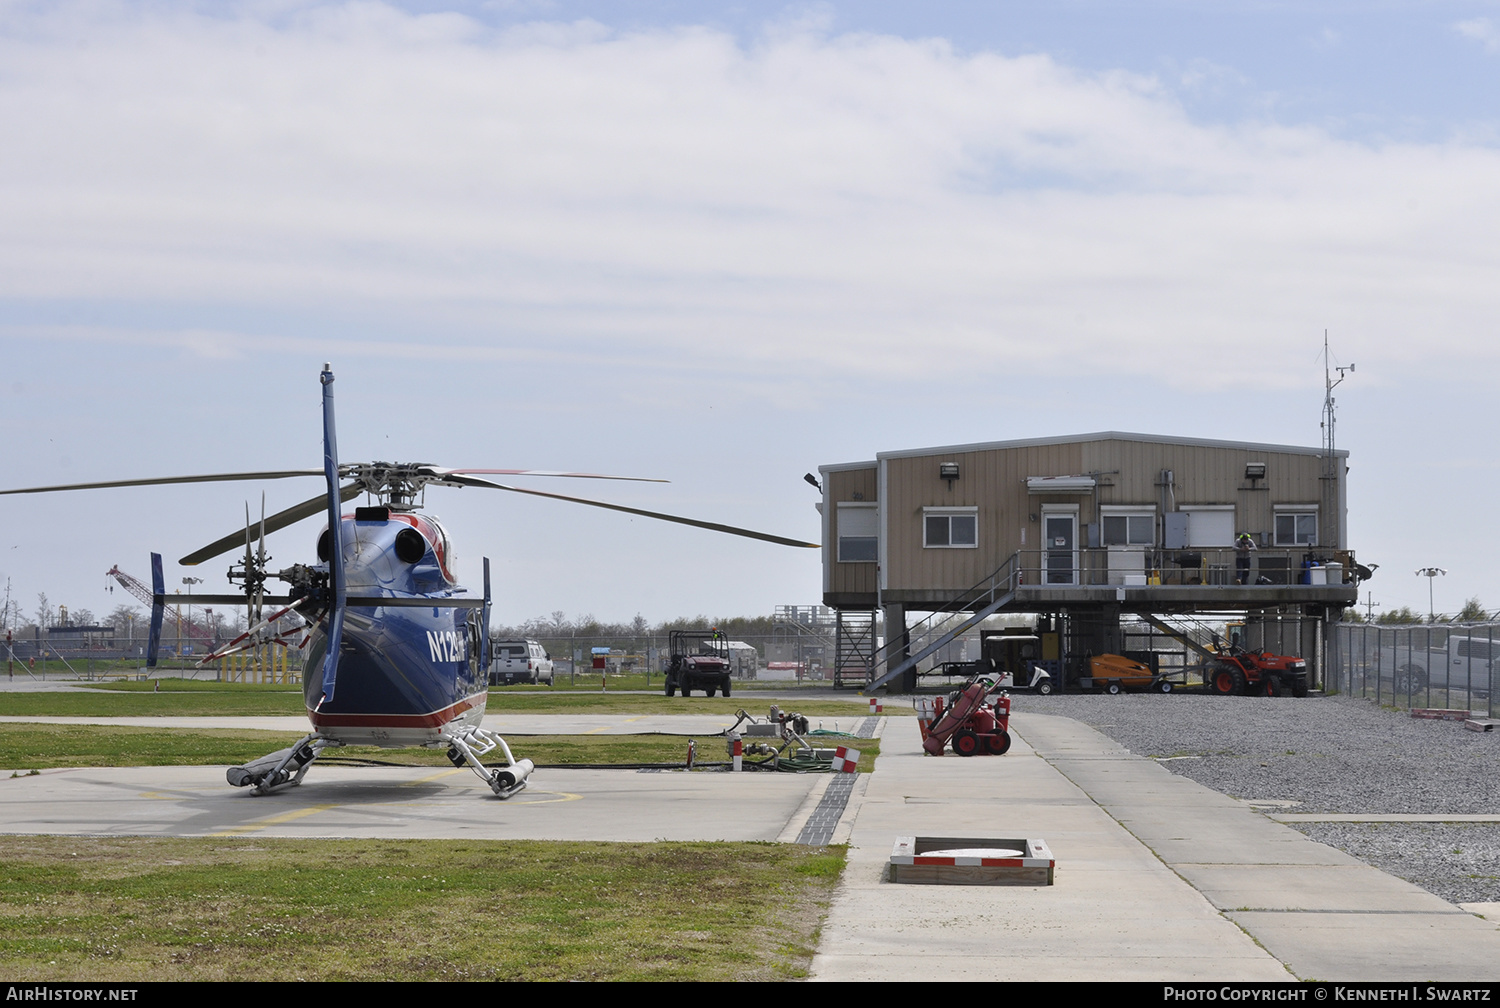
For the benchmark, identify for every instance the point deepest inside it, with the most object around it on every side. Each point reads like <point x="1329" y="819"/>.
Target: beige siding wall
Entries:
<point x="995" y="481"/>
<point x="1205" y="475"/>
<point x="847" y="485"/>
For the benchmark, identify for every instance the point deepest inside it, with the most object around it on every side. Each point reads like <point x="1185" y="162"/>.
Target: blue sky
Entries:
<point x="726" y="243"/>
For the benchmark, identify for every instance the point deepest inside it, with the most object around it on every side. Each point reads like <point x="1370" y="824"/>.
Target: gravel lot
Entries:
<point x="1326" y="754"/>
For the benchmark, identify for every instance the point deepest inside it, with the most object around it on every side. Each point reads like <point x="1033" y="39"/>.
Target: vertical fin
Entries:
<point x="484" y="625"/>
<point x="338" y="595"/>
<point x="158" y="594"/>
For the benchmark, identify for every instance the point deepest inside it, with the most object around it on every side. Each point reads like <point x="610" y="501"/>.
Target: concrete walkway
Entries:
<point x="1158" y="878"/>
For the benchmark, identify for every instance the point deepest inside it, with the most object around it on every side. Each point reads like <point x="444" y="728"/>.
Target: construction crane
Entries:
<point x="188" y="631"/>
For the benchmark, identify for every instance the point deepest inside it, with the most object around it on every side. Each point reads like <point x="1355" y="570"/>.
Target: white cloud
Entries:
<point x="1481" y="30"/>
<point x="855" y="203"/>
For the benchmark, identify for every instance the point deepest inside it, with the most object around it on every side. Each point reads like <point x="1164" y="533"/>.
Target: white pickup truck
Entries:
<point x="1467" y="663"/>
<point x="519" y="661"/>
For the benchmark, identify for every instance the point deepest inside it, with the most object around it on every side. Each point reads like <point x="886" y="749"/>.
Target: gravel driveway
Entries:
<point x="1326" y="755"/>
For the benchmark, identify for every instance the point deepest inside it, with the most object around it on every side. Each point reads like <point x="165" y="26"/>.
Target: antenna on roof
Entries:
<point x="1331" y="514"/>
<point x="1329" y="384"/>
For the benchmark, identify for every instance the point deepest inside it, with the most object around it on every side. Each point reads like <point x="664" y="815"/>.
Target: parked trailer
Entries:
<point x="1112" y="673"/>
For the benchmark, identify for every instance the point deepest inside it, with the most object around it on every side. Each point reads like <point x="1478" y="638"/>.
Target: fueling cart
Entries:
<point x="974" y="720"/>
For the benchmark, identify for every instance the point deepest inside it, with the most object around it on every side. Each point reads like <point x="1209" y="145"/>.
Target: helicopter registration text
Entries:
<point x="447" y="646"/>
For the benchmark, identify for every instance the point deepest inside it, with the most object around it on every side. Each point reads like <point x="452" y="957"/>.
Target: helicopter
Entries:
<point x="396" y="652"/>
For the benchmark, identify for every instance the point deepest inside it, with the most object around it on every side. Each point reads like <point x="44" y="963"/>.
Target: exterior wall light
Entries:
<point x="1255" y="471"/>
<point x="948" y="471"/>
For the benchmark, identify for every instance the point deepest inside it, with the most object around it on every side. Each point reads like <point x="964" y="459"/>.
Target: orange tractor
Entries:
<point x="1234" y="671"/>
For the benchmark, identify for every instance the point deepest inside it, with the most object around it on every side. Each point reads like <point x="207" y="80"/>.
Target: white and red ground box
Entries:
<point x="971" y="861"/>
<point x="845" y="760"/>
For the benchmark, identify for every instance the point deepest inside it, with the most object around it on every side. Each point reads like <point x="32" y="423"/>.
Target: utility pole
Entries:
<point x="1369" y="607"/>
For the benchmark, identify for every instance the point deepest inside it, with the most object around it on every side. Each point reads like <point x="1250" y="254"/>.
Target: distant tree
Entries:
<point x="43" y="610"/>
<point x="1473" y="612"/>
<point x="1405" y="614"/>
<point x="128" y="620"/>
<point x="1352" y="616"/>
<point x="122" y="616"/>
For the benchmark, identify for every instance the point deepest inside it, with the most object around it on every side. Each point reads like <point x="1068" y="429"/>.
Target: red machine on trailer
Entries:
<point x="975" y="721"/>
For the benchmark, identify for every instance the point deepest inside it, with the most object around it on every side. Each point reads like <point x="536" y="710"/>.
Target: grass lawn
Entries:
<point x="200" y="699"/>
<point x="142" y="909"/>
<point x="514" y="701"/>
<point x="197" y="702"/>
<point x="39" y="747"/>
<point x="189" y="686"/>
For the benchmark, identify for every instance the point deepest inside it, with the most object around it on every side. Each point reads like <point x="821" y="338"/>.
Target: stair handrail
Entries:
<point x="998" y="582"/>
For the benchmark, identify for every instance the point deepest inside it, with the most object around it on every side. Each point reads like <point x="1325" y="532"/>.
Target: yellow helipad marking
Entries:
<point x="276" y="820"/>
<point x="596" y="731"/>
<point x="557" y="796"/>
<point x="432" y="777"/>
<point x="553" y="798"/>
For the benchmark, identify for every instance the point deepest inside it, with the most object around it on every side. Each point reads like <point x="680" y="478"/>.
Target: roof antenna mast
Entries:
<point x="1329" y="384"/>
<point x="1330" y="457"/>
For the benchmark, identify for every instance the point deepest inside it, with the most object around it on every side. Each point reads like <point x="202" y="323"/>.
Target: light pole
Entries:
<point x="1429" y="573"/>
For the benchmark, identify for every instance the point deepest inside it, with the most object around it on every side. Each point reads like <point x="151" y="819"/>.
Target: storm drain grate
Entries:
<point x="820" y="825"/>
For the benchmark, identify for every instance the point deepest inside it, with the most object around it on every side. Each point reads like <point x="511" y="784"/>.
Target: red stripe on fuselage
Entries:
<point x="435" y="719"/>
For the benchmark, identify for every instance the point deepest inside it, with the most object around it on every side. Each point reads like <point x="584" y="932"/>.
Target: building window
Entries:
<point x="1295" y="528"/>
<point x="1129" y="529"/>
<point x="859" y="533"/>
<point x="950" y="528"/>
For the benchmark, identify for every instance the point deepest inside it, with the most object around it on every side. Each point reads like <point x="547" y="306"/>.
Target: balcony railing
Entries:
<point x="1125" y="566"/>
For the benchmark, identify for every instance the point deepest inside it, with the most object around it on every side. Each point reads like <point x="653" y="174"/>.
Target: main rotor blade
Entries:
<point x="542" y="472"/>
<point x="712" y="526"/>
<point x="278" y="521"/>
<point x="165" y="480"/>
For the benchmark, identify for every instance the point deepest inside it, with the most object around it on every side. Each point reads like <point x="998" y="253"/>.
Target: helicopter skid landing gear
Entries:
<point x="280" y="769"/>
<point x="467" y="745"/>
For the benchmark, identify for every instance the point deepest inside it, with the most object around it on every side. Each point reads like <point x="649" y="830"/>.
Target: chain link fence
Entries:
<point x="791" y="657"/>
<point x="1451" y="665"/>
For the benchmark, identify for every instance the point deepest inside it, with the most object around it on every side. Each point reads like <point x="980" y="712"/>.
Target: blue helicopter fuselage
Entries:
<point x="405" y="672"/>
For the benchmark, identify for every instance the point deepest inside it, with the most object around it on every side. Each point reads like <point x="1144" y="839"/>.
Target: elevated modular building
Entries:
<point x="1088" y="528"/>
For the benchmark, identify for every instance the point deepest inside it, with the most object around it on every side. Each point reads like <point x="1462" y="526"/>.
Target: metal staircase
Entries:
<point x="854" y="651"/>
<point x="978" y="603"/>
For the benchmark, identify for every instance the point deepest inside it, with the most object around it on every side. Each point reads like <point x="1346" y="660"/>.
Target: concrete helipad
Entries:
<point x="413" y="802"/>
